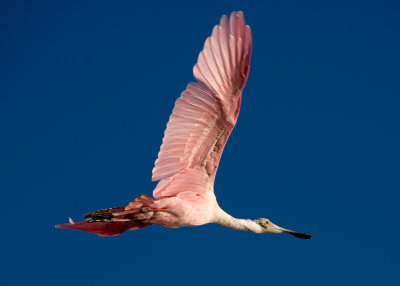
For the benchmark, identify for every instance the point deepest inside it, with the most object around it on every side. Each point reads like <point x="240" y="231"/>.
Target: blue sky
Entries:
<point x="86" y="89"/>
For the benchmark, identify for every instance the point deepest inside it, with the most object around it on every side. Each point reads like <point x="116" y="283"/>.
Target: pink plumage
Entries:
<point x="197" y="131"/>
<point x="206" y="112"/>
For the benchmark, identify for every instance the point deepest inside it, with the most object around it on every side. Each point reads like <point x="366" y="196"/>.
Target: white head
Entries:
<point x="269" y="227"/>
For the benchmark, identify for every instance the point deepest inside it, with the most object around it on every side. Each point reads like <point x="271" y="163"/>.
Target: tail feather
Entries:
<point x="104" y="228"/>
<point x="114" y="221"/>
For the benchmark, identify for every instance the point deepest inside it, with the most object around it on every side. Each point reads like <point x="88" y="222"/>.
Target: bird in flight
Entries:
<point x="198" y="128"/>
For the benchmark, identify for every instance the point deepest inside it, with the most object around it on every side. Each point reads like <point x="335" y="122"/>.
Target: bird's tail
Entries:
<point x="114" y="221"/>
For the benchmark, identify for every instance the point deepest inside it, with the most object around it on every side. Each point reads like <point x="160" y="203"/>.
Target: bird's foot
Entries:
<point x="103" y="215"/>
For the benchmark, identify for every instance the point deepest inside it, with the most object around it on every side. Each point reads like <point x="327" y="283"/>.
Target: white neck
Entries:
<point x="222" y="218"/>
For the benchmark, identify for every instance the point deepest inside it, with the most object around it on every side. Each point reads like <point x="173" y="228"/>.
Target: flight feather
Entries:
<point x="206" y="112"/>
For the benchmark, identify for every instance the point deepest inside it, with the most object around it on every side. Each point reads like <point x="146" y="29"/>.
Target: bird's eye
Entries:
<point x="266" y="222"/>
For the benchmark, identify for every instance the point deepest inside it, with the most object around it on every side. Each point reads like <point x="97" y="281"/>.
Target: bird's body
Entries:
<point x="198" y="129"/>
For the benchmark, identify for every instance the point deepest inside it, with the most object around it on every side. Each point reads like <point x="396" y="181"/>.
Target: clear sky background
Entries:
<point x="86" y="89"/>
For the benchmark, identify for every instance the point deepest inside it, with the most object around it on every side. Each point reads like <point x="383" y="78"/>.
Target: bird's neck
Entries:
<point x="222" y="218"/>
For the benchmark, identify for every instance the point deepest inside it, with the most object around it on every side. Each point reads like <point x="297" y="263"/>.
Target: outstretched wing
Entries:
<point x="206" y="112"/>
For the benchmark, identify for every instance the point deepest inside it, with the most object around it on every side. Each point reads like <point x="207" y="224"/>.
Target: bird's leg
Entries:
<point x="120" y="214"/>
<point x="138" y="214"/>
<point x="141" y="209"/>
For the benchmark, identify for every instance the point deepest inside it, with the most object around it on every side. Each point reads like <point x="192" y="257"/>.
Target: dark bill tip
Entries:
<point x="300" y="234"/>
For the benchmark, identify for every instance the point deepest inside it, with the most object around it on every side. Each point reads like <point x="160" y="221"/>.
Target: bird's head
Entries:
<point x="269" y="227"/>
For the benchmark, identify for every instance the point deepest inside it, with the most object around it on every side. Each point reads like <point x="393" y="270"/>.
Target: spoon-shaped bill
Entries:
<point x="273" y="228"/>
<point x="298" y="234"/>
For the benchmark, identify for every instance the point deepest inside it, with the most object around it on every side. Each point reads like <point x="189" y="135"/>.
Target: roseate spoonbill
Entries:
<point x="201" y="122"/>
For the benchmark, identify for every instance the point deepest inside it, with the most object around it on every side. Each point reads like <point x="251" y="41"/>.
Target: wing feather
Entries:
<point x="206" y="112"/>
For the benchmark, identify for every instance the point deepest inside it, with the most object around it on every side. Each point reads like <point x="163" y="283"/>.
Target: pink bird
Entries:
<point x="201" y="122"/>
